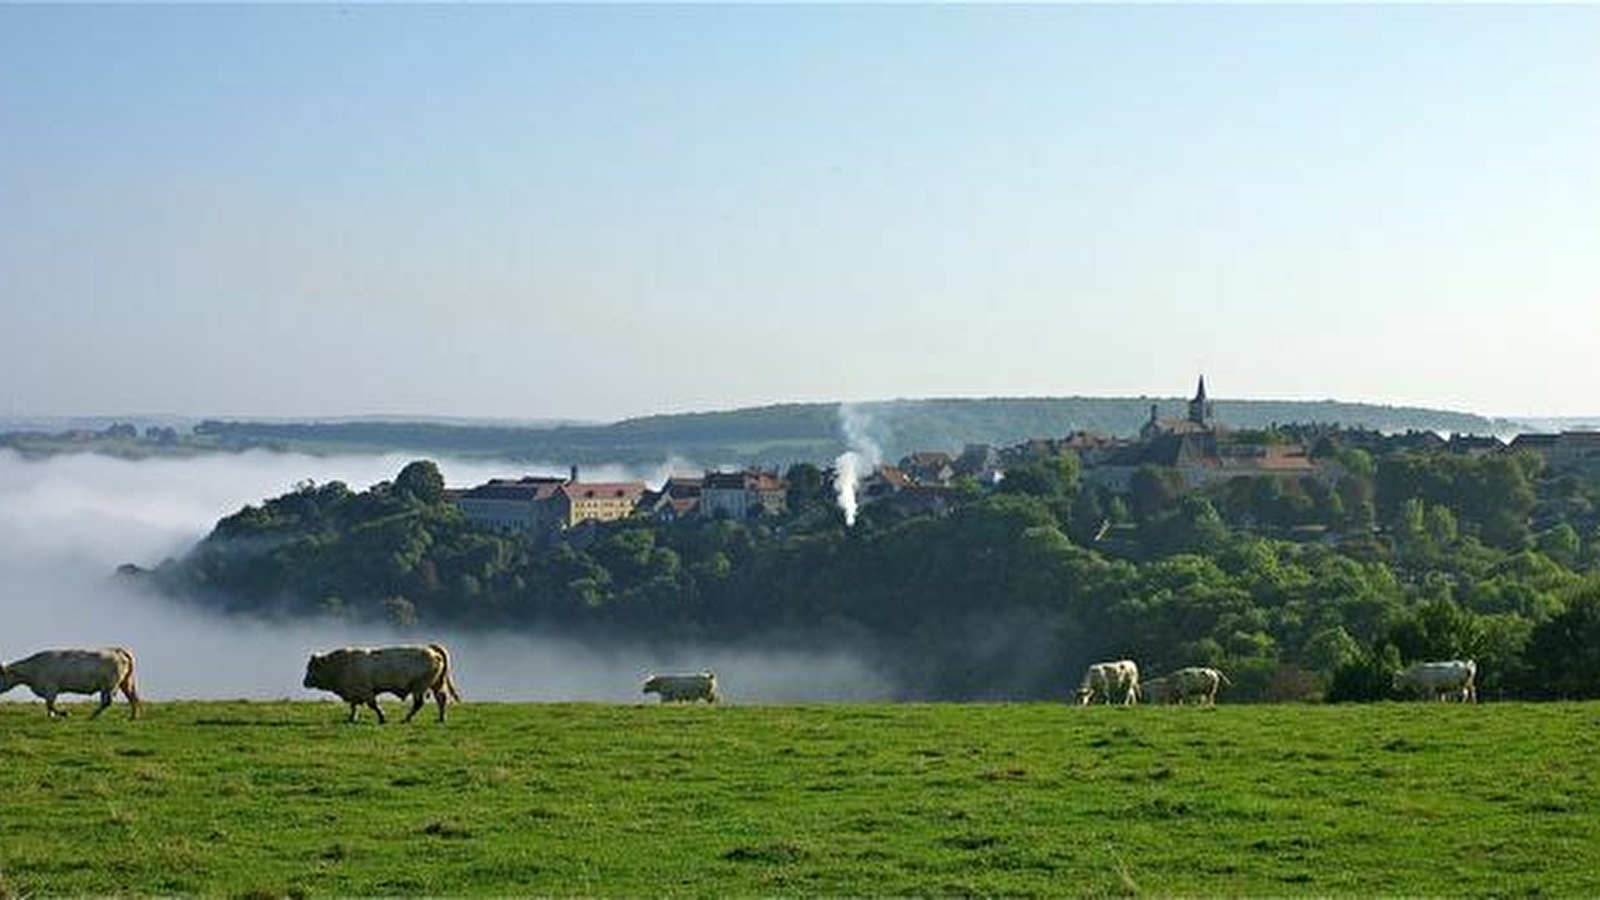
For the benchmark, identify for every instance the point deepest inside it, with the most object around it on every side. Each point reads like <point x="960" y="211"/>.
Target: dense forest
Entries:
<point x="768" y="435"/>
<point x="1300" y="590"/>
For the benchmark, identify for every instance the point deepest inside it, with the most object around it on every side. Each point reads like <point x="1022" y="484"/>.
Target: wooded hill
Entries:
<point x="810" y="432"/>
<point x="1298" y="588"/>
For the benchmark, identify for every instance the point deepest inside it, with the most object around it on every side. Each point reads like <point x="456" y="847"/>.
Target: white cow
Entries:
<point x="53" y="672"/>
<point x="1110" y="680"/>
<point x="1199" y="683"/>
<point x="359" y="674"/>
<point x="1451" y="679"/>
<point x="683" y="688"/>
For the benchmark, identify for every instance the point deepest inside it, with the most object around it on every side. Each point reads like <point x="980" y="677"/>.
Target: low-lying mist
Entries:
<point x="66" y="522"/>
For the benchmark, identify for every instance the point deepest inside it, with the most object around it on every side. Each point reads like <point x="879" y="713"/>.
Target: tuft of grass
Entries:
<point x="446" y="830"/>
<point x="771" y="854"/>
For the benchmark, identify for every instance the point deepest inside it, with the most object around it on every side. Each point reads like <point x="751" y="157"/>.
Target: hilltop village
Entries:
<point x="1186" y="454"/>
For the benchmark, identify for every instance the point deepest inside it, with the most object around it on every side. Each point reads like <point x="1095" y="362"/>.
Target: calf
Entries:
<point x="683" y="688"/>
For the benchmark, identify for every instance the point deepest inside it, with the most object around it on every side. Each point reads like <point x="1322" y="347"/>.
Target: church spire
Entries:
<point x="1200" y="410"/>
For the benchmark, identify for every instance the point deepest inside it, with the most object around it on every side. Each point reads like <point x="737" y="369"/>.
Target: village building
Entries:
<point x="980" y="462"/>
<point x="1416" y="442"/>
<point x="1569" y="450"/>
<point x="1475" y="445"/>
<point x="740" y="495"/>
<point x="1202" y="418"/>
<point x="885" y="482"/>
<point x="596" y="501"/>
<point x="930" y="467"/>
<point x="511" y="505"/>
<point x="1201" y="449"/>
<point x="678" y="499"/>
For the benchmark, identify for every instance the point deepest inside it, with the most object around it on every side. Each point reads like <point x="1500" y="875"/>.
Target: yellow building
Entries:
<point x="598" y="501"/>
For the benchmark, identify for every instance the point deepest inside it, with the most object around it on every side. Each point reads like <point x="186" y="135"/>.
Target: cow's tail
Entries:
<point x="1223" y="677"/>
<point x="445" y="680"/>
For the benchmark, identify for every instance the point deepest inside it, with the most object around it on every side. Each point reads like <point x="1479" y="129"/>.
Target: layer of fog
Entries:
<point x="66" y="522"/>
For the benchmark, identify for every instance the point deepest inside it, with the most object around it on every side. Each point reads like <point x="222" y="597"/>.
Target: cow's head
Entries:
<point x="1084" y="695"/>
<point x="652" y="685"/>
<point x="315" y="672"/>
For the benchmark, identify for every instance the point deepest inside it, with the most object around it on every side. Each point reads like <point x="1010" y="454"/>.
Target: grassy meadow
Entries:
<point x="287" y="799"/>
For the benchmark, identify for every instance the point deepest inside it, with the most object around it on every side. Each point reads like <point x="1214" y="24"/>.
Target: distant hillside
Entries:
<point x="811" y="431"/>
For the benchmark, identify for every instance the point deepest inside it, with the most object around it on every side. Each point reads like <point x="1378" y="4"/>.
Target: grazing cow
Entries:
<point x="1199" y="683"/>
<point x="1110" y="680"/>
<point x="683" y="688"/>
<point x="52" y="672"/>
<point x="1451" y="679"/>
<point x="359" y="674"/>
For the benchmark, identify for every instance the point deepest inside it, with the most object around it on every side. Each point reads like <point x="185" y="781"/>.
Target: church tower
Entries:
<point x="1201" y="411"/>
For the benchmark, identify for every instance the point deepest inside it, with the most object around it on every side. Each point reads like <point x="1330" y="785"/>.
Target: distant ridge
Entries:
<point x="783" y="433"/>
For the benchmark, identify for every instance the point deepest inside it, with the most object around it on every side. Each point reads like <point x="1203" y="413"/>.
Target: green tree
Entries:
<point x="1439" y="629"/>
<point x="421" y="481"/>
<point x="1047" y="477"/>
<point x="1568" y="650"/>
<point x="1155" y="489"/>
<point x="1561" y="544"/>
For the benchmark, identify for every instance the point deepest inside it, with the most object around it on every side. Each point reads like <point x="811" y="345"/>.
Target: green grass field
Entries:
<point x="284" y="798"/>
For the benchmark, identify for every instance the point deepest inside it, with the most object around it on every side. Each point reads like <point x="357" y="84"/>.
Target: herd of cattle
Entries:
<point x="358" y="675"/>
<point x="1118" y="682"/>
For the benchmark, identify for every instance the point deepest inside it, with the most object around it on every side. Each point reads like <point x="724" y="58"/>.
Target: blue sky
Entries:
<point x="600" y="211"/>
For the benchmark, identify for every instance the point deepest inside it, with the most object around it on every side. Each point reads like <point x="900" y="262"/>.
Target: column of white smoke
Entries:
<point x="855" y="463"/>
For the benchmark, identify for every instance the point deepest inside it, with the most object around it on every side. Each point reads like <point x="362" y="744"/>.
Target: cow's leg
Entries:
<point x="105" y="701"/>
<point x="352" y="716"/>
<point x="132" y="694"/>
<point x="440" y="697"/>
<point x="50" y="706"/>
<point x="373" y="705"/>
<point x="417" y="699"/>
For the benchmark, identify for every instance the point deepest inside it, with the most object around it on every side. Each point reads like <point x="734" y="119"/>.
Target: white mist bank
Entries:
<point x="66" y="522"/>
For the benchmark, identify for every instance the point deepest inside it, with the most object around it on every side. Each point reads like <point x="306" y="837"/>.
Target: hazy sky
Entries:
<point x="593" y="212"/>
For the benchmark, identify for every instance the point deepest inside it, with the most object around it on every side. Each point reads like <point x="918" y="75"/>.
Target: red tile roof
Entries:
<point x="602" y="489"/>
